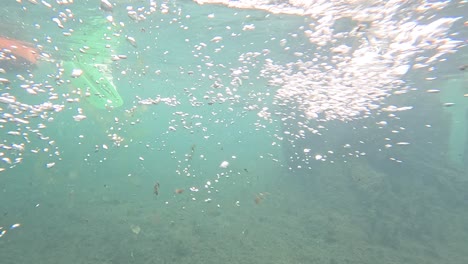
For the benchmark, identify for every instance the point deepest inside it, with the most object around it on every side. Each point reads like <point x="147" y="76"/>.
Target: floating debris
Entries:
<point x="79" y="117"/>
<point x="260" y="197"/>
<point x="156" y="188"/>
<point x="216" y="39"/>
<point x="224" y="164"/>
<point x="135" y="229"/>
<point x="249" y="27"/>
<point x="403" y="143"/>
<point x="433" y="91"/>
<point x="76" y="73"/>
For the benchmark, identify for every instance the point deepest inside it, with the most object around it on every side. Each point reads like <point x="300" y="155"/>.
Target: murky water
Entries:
<point x="237" y="132"/>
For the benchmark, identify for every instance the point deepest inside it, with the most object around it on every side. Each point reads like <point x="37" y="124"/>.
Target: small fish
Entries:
<point x="106" y="6"/>
<point x="448" y="104"/>
<point x="156" y="188"/>
<point x="13" y="226"/>
<point x="132" y="41"/>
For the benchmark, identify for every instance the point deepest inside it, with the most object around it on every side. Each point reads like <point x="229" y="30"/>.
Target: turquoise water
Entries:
<point x="276" y="201"/>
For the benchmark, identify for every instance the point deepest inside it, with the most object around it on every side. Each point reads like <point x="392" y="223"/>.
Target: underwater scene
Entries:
<point x="234" y="131"/>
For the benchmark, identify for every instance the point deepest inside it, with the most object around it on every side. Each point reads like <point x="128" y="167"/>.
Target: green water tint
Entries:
<point x="90" y="45"/>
